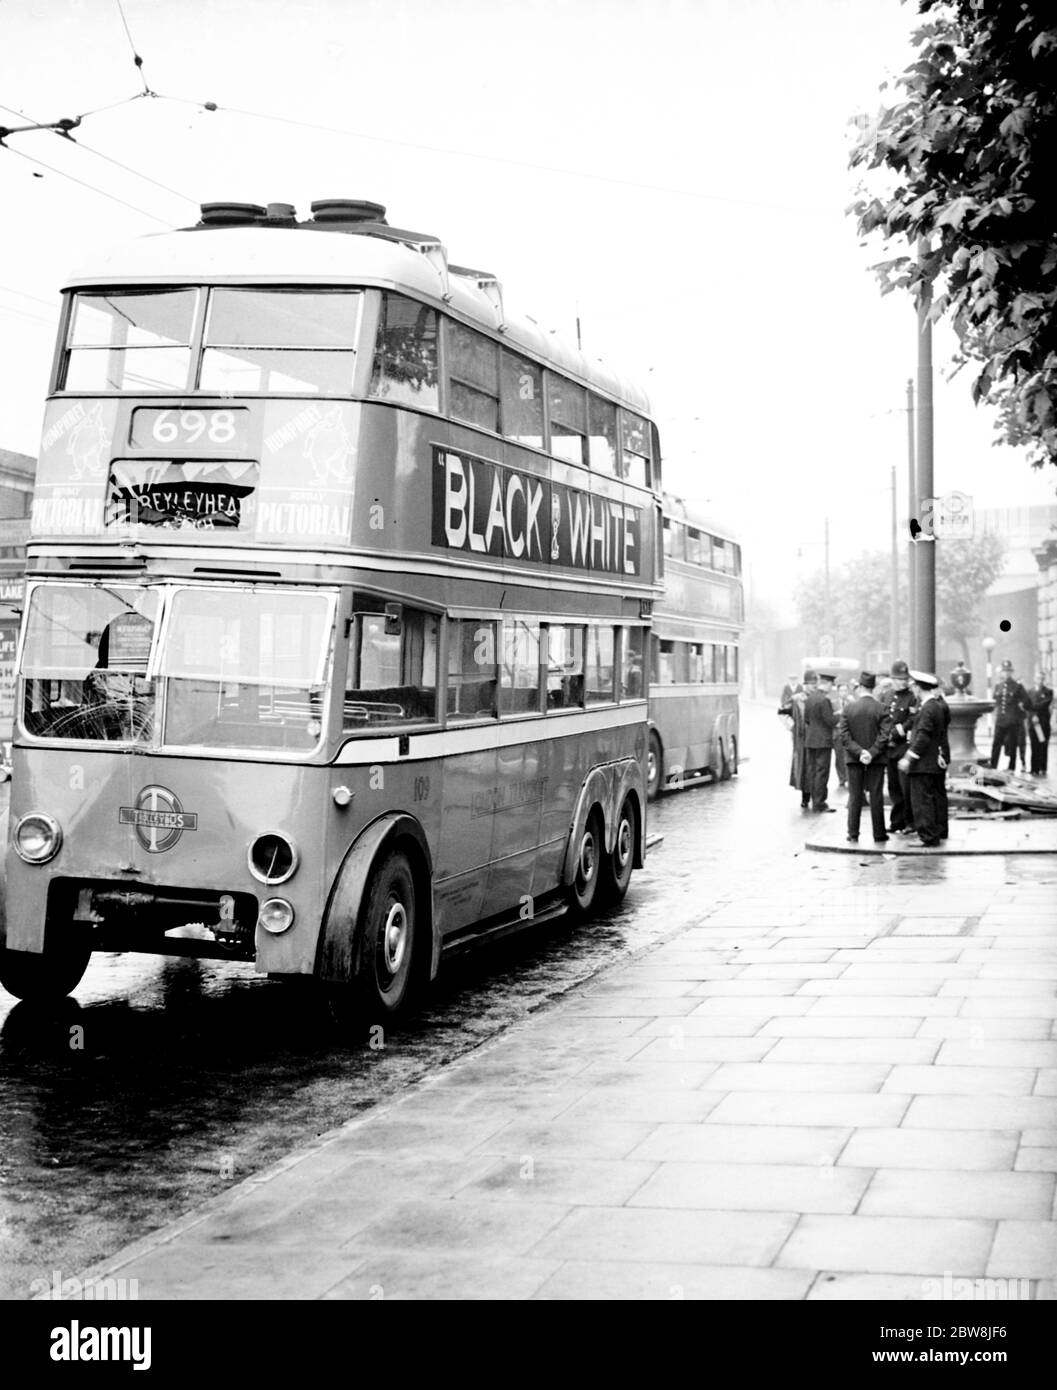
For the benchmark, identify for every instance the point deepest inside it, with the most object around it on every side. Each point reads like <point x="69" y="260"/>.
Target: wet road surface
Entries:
<point x="163" y="1081"/>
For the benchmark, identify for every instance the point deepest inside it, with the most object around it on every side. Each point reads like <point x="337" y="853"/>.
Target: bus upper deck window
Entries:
<point x="404" y="369"/>
<point x="301" y="342"/>
<point x="602" y="418"/>
<point x="636" y="456"/>
<point x="568" y="411"/>
<point x="473" y="369"/>
<point x="138" y="341"/>
<point x="521" y="392"/>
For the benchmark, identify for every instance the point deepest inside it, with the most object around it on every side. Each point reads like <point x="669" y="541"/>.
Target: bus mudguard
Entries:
<point x="606" y="786"/>
<point x="339" y="941"/>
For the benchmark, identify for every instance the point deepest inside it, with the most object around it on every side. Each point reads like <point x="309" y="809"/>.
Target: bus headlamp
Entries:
<point x="37" y="838"/>
<point x="276" y="915"/>
<point x="273" y="858"/>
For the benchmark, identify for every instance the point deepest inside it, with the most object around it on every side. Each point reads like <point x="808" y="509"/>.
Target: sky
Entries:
<point x="674" y="173"/>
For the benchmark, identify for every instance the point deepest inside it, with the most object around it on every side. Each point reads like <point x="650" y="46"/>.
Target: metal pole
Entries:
<point x="893" y="625"/>
<point x="912" y="511"/>
<point x="827" y="603"/>
<point x="925" y="647"/>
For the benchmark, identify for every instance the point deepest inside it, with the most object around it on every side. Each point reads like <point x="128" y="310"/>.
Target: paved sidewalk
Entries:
<point x="985" y="834"/>
<point x="842" y="1086"/>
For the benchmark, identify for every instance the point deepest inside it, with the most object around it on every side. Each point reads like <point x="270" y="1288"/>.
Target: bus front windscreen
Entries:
<point x="85" y="661"/>
<point x="246" y="668"/>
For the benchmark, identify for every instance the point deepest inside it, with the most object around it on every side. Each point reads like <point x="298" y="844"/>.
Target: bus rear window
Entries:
<point x="271" y="341"/>
<point x="130" y="342"/>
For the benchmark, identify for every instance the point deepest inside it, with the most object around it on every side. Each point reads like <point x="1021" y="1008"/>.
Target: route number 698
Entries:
<point x="189" y="426"/>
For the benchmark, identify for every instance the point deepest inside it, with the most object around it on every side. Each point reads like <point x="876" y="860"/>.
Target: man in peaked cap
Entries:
<point x="1011" y="707"/>
<point x="926" y="759"/>
<point x="902" y="705"/>
<point x="819" y="724"/>
<point x="863" y="729"/>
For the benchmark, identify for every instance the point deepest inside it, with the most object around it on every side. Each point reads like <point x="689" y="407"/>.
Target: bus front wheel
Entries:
<point x="387" y="956"/>
<point x="654" y="767"/>
<point x="589" y="856"/>
<point x="53" y="974"/>
<point x="617" y="865"/>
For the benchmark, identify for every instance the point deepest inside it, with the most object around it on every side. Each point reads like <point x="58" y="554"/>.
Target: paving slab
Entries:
<point x="843" y="1086"/>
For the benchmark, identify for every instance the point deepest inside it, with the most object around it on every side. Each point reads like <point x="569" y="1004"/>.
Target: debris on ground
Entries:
<point x="975" y="789"/>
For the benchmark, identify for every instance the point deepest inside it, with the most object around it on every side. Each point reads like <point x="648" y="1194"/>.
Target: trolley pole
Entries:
<point x="925" y="645"/>
<point x="893" y="626"/>
<point x="912" y="509"/>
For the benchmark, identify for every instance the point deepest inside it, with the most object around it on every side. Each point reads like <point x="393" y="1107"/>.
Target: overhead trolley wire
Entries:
<point x="89" y="149"/>
<point x="132" y="44"/>
<point x="493" y="158"/>
<point x="91" y="186"/>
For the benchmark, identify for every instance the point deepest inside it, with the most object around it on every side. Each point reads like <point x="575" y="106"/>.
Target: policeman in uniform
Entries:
<point x="901" y="707"/>
<point x="1011" y="707"/>
<point x="926" y="759"/>
<point x="1040" y="703"/>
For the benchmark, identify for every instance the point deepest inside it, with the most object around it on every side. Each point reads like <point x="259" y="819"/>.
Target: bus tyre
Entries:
<point x="617" y="865"/>
<point x="654" y="767"/>
<point x="53" y="974"/>
<point x="588" y="870"/>
<point x="386" y="976"/>
<point x="733" y="757"/>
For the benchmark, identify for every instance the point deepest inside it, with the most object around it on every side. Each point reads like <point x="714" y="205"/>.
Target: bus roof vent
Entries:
<point x="285" y="213"/>
<point x="231" y="214"/>
<point x="489" y="286"/>
<point x="347" y="210"/>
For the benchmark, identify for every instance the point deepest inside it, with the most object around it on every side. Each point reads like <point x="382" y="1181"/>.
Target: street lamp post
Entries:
<point x="988" y="645"/>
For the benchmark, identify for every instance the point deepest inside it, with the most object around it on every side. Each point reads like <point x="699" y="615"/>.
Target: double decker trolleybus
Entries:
<point x="694" y="653"/>
<point x="337" y="609"/>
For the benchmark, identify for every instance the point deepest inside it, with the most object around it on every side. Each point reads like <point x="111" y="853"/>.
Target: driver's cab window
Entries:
<point x="391" y="673"/>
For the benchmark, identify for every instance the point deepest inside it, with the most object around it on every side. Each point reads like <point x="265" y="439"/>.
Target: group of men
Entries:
<point x="901" y="737"/>
<point x="1022" y="716"/>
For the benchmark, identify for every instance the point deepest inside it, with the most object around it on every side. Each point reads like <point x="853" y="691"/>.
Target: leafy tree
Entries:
<point x="970" y="148"/>
<point x="860" y="604"/>
<point x="965" y="570"/>
<point x="861" y="596"/>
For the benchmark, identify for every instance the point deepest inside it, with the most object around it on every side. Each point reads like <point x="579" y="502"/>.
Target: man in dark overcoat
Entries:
<point x="902" y="705"/>
<point x="926" y="760"/>
<point x="1040" y="704"/>
<point x="863" y="730"/>
<point x="819" y="724"/>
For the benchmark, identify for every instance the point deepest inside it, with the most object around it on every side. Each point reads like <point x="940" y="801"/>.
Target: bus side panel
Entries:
<point x="463" y="839"/>
<point x="520" y="786"/>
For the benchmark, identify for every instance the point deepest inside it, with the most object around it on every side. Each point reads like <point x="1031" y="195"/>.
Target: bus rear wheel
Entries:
<point x="617" y="865"/>
<point x="386" y="979"/>
<point x="53" y="974"/>
<point x="589" y="856"/>
<point x="654" y="767"/>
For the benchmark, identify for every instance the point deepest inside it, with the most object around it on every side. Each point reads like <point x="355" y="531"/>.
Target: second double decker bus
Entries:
<point x="694" y="724"/>
<point x="338" y="592"/>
